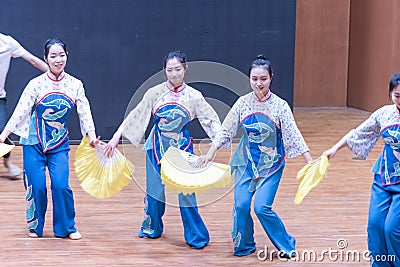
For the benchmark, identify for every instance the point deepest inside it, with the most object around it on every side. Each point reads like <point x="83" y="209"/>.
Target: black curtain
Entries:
<point x="116" y="45"/>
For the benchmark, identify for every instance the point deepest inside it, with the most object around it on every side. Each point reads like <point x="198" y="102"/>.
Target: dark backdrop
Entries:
<point x="116" y="45"/>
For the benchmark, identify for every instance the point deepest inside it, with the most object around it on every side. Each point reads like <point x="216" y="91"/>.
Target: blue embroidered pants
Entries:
<point x="384" y="224"/>
<point x="195" y="231"/>
<point x="35" y="163"/>
<point x="243" y="226"/>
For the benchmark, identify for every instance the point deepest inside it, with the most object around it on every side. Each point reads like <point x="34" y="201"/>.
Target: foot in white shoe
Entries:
<point x="32" y="234"/>
<point x="13" y="170"/>
<point x="75" y="236"/>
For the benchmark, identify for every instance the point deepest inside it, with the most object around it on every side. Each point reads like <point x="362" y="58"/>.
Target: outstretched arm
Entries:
<point x="331" y="152"/>
<point x="223" y="137"/>
<point x="35" y="61"/>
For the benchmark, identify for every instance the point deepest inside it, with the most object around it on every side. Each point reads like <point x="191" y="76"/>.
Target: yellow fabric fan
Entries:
<point x="4" y="149"/>
<point x="310" y="176"/>
<point x="179" y="173"/>
<point x="100" y="176"/>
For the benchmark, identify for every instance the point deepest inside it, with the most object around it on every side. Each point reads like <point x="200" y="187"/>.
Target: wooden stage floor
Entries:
<point x="333" y="214"/>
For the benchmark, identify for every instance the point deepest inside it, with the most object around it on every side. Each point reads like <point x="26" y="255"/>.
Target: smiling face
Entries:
<point x="175" y="71"/>
<point x="56" y="59"/>
<point x="260" y="81"/>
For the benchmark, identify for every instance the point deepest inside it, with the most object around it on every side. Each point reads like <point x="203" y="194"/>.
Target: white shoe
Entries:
<point x="32" y="235"/>
<point x="13" y="170"/>
<point x="75" y="236"/>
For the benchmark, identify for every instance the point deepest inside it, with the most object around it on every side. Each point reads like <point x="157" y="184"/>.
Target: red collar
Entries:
<point x="175" y="89"/>
<point x="55" y="78"/>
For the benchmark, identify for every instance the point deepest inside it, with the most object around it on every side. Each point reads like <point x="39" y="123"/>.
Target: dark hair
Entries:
<point x="180" y="56"/>
<point x="50" y="42"/>
<point x="261" y="61"/>
<point x="394" y="82"/>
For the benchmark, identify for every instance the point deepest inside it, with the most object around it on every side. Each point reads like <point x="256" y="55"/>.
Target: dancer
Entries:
<point x="270" y="132"/>
<point x="40" y="119"/>
<point x="10" y="48"/>
<point x="173" y="104"/>
<point x="384" y="209"/>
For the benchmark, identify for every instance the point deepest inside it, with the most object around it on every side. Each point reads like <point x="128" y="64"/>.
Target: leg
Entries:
<point x="13" y="169"/>
<point x="269" y="220"/>
<point x="195" y="231"/>
<point x="3" y="120"/>
<point x="152" y="224"/>
<point x="35" y="186"/>
<point x="242" y="223"/>
<point x="392" y="230"/>
<point x="63" y="199"/>
<point x="378" y="210"/>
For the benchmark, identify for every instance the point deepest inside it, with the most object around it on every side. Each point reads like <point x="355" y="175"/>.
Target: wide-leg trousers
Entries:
<point x="35" y="163"/>
<point x="195" y="232"/>
<point x="242" y="222"/>
<point x="384" y="224"/>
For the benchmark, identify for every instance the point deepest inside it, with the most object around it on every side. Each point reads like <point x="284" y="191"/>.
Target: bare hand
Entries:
<point x="109" y="148"/>
<point x="330" y="153"/>
<point x="94" y="142"/>
<point x="203" y="161"/>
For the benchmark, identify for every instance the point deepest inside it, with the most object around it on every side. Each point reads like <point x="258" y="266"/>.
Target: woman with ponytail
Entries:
<point x="173" y="104"/>
<point x="384" y="210"/>
<point x="40" y="119"/>
<point x="270" y="132"/>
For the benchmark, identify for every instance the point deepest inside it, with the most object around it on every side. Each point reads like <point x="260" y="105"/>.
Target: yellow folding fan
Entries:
<point x="180" y="173"/>
<point x="310" y="176"/>
<point x="4" y="149"/>
<point x="101" y="176"/>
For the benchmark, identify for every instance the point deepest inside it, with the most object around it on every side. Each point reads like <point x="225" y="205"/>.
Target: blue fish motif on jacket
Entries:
<point x="263" y="144"/>
<point x="260" y="133"/>
<point x="57" y="103"/>
<point x="52" y="112"/>
<point x="56" y="115"/>
<point x="170" y="129"/>
<point x="390" y="160"/>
